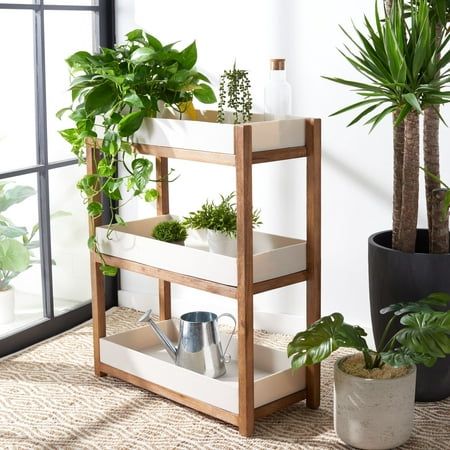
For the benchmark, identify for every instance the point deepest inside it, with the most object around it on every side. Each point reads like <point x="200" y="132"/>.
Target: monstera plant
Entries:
<point x="112" y="93"/>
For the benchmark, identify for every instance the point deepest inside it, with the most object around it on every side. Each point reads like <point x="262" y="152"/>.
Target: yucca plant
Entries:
<point x="404" y="61"/>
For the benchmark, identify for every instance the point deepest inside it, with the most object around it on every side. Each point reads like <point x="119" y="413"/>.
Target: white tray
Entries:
<point x="274" y="255"/>
<point x="140" y="353"/>
<point x="205" y="134"/>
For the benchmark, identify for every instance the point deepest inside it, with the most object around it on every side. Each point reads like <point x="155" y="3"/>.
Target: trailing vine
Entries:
<point x="234" y="93"/>
<point x="112" y="93"/>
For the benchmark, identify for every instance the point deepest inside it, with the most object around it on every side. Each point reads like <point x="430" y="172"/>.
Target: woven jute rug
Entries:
<point x="51" y="399"/>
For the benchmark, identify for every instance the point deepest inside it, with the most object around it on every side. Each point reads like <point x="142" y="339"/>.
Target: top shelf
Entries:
<point x="204" y="140"/>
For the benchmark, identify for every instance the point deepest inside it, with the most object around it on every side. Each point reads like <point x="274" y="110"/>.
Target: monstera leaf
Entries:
<point x="435" y="300"/>
<point x="426" y="333"/>
<point x="324" y="337"/>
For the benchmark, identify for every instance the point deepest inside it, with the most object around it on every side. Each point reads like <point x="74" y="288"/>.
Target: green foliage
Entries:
<point x="400" y="60"/>
<point x="423" y="337"/>
<point x="221" y="217"/>
<point x="115" y="90"/>
<point x="234" y="92"/>
<point x="170" y="231"/>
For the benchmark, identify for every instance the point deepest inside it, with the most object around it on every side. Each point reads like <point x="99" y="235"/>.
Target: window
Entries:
<point x="53" y="294"/>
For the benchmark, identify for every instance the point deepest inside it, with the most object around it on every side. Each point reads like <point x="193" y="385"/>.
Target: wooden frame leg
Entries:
<point x="162" y="207"/>
<point x="243" y="148"/>
<point x="313" y="288"/>
<point x="98" y="312"/>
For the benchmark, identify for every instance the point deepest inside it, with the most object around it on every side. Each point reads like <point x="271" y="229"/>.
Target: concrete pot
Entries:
<point x="222" y="243"/>
<point x="373" y="414"/>
<point x="7" y="306"/>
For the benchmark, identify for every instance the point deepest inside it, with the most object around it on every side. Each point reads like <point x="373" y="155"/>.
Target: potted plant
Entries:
<point x="113" y="92"/>
<point x="220" y="220"/>
<point x="403" y="59"/>
<point x="170" y="231"/>
<point x="374" y="390"/>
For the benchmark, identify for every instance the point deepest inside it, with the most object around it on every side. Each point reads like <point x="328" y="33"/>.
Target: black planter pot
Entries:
<point x="396" y="276"/>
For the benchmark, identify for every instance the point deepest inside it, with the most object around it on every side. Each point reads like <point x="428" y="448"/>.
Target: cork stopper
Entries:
<point x="277" y="64"/>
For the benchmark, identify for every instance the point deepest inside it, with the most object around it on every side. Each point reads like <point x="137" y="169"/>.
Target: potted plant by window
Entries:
<point x="374" y="390"/>
<point x="404" y="59"/>
<point x="16" y="245"/>
<point x="220" y="220"/>
<point x="172" y="231"/>
<point x="113" y="92"/>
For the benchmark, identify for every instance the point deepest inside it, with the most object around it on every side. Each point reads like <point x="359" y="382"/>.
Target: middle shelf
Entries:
<point x="277" y="260"/>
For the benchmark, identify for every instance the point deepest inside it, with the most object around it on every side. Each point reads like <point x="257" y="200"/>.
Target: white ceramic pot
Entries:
<point x="7" y="306"/>
<point x="373" y="414"/>
<point x="222" y="243"/>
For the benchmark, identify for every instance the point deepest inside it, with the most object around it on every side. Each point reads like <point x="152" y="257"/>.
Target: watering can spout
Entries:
<point x="171" y="349"/>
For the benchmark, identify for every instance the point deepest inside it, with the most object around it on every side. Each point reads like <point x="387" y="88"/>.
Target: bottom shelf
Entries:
<point x="138" y="357"/>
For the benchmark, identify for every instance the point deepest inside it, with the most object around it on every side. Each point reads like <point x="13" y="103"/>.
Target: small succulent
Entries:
<point x="170" y="231"/>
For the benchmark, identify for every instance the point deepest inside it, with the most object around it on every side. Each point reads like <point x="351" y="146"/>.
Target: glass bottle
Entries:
<point x="277" y="92"/>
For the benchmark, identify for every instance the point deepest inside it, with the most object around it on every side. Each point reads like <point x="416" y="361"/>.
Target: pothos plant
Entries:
<point x="112" y="92"/>
<point x="234" y="92"/>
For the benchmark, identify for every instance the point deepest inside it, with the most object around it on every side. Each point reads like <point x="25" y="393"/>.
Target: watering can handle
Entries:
<point x="227" y="356"/>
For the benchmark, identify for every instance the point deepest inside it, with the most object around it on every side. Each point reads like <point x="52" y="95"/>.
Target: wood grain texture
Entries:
<point x="173" y="277"/>
<point x="97" y="278"/>
<point x="275" y="283"/>
<point x="313" y="249"/>
<point x="278" y="154"/>
<point x="193" y="403"/>
<point x="281" y="403"/>
<point x="243" y="149"/>
<point x="190" y="155"/>
<point x="162" y="207"/>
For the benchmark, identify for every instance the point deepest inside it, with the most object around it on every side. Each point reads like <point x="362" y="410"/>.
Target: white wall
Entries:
<point x="357" y="167"/>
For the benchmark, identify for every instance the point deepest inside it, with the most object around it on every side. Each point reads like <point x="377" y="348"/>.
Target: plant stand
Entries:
<point x="242" y="159"/>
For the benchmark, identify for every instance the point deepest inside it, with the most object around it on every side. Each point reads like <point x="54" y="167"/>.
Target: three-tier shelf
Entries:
<point x="239" y="146"/>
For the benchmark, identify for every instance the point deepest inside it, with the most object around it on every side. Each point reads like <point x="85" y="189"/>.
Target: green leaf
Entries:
<point x="14" y="256"/>
<point x="108" y="271"/>
<point x="151" y="195"/>
<point x="153" y="42"/>
<point x="130" y="123"/>
<point x="142" y="169"/>
<point x="205" y="94"/>
<point x="78" y="59"/>
<point x="426" y="333"/>
<point x="15" y="195"/>
<point x="322" y="338"/>
<point x="142" y="55"/>
<point x="133" y="99"/>
<point x="134" y="35"/>
<point x="12" y="231"/>
<point x="188" y="57"/>
<point x="95" y="209"/>
<point x="412" y="100"/>
<point x="61" y="112"/>
<point x="100" y="99"/>
<point x="92" y="243"/>
<point x="119" y="219"/>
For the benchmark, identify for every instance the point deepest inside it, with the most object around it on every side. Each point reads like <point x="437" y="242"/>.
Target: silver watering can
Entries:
<point x="199" y="348"/>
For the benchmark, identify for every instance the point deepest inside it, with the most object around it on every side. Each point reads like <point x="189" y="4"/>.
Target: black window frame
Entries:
<point x="50" y="324"/>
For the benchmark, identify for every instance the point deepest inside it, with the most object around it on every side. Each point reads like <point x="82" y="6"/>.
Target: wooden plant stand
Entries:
<point x="242" y="159"/>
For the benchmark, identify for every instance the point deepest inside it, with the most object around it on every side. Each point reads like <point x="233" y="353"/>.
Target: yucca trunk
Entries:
<point x="439" y="217"/>
<point x="388" y="6"/>
<point x="437" y="229"/>
<point x="399" y="142"/>
<point x="410" y="185"/>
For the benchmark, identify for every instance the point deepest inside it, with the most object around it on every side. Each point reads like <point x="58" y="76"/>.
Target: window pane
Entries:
<point x="71" y="269"/>
<point x="77" y="29"/>
<point x="21" y="217"/>
<point x="17" y="116"/>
